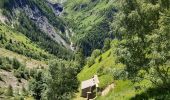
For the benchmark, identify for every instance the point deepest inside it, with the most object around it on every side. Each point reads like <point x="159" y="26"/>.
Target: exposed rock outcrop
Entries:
<point x="40" y="19"/>
<point x="43" y="23"/>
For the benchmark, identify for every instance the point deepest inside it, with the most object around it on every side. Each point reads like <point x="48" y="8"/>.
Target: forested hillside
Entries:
<point x="37" y="20"/>
<point x="91" y="22"/>
<point x="48" y="48"/>
<point x="31" y="36"/>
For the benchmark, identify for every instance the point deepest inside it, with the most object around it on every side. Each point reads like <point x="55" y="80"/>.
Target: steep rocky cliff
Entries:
<point x="46" y="17"/>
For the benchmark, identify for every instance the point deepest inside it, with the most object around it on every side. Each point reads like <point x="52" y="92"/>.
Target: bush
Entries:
<point x="17" y="74"/>
<point x="24" y="91"/>
<point x="100" y="59"/>
<point x="109" y="54"/>
<point x="106" y="46"/>
<point x="6" y="67"/>
<point x="9" y="91"/>
<point x="32" y="72"/>
<point x="96" y="53"/>
<point x="1" y="91"/>
<point x="90" y="61"/>
<point x="18" y="98"/>
<point x="100" y="71"/>
<point x="8" y="64"/>
<point x="16" y="63"/>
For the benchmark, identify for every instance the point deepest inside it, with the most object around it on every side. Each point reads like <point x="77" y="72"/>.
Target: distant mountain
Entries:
<point x="39" y="21"/>
<point x="91" y="22"/>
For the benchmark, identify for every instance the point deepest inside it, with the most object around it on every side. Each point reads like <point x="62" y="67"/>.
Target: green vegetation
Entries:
<point x="28" y="27"/>
<point x="42" y="39"/>
<point x="37" y="85"/>
<point x="14" y="65"/>
<point x="17" y="42"/>
<point x="103" y="69"/>
<point x="90" y="22"/>
<point x="59" y="82"/>
<point x="139" y="49"/>
<point x="9" y="91"/>
<point x="62" y="82"/>
<point x="124" y="42"/>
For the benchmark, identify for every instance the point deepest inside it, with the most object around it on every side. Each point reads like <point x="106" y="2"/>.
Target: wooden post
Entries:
<point x="97" y="89"/>
<point x="88" y="94"/>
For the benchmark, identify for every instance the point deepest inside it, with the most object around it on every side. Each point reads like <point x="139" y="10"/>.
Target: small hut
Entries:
<point x="89" y="87"/>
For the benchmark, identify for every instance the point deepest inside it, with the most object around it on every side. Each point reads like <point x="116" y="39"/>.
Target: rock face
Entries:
<point x="37" y="16"/>
<point x="43" y="23"/>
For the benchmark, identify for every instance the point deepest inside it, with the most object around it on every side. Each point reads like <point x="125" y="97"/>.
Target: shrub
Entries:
<point x="6" y="67"/>
<point x="1" y="91"/>
<point x="109" y="54"/>
<point x="18" y="98"/>
<point x="1" y="79"/>
<point x="100" y="71"/>
<point x="96" y="53"/>
<point x="100" y="59"/>
<point x="16" y="63"/>
<point x="106" y="44"/>
<point x="9" y="91"/>
<point x="24" y="91"/>
<point x="17" y="74"/>
<point x="90" y="61"/>
<point x="32" y="72"/>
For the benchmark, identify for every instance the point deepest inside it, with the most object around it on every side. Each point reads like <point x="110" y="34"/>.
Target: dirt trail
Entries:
<point x="108" y="89"/>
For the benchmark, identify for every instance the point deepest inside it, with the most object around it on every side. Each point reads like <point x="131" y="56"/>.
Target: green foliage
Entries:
<point x="94" y="38"/>
<point x="100" y="59"/>
<point x="9" y="91"/>
<point x="22" y="72"/>
<point x="144" y="47"/>
<point x="96" y="53"/>
<point x="24" y="92"/>
<point x="42" y="39"/>
<point x="62" y="82"/>
<point x="33" y="72"/>
<point x="154" y="93"/>
<point x="104" y="69"/>
<point x="18" y="98"/>
<point x="16" y="63"/>
<point x="2" y="91"/>
<point x="106" y="44"/>
<point x="6" y="63"/>
<point x="17" y="42"/>
<point x="28" y="27"/>
<point x="79" y="57"/>
<point x="90" y="20"/>
<point x="37" y="85"/>
<point x="90" y="61"/>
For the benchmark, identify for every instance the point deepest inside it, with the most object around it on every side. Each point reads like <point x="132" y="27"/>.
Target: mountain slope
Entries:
<point x="90" y="21"/>
<point x="31" y="34"/>
<point x="106" y="66"/>
<point x="37" y="20"/>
